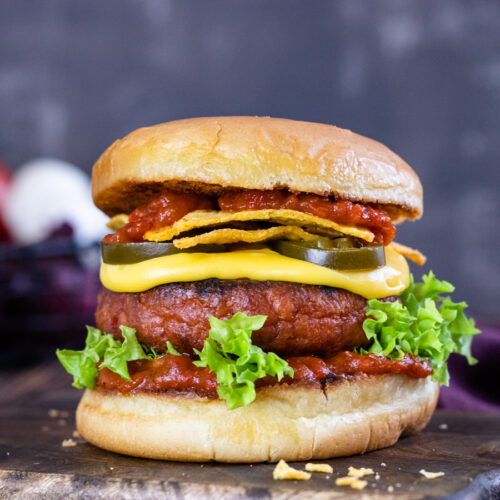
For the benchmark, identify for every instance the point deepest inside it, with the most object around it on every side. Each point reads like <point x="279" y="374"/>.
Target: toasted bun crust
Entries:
<point x="211" y="155"/>
<point x="289" y="422"/>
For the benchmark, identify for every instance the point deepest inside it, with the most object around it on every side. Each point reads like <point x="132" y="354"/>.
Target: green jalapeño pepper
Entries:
<point x="342" y="255"/>
<point x="130" y="253"/>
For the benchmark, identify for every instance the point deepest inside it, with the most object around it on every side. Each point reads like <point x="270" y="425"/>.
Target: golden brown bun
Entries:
<point x="210" y="155"/>
<point x="289" y="422"/>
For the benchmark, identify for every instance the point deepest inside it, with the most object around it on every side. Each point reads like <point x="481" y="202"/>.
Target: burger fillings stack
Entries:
<point x="255" y="305"/>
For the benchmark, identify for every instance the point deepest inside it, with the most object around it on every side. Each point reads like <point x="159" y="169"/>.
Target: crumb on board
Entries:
<point x="354" y="482"/>
<point x="443" y="427"/>
<point x="67" y="443"/>
<point x="45" y="428"/>
<point x="327" y="469"/>
<point x="390" y="489"/>
<point x="76" y="434"/>
<point x="377" y="476"/>
<point x="383" y="464"/>
<point x="53" y="413"/>
<point x="362" y="472"/>
<point x="431" y="475"/>
<point x="284" y="471"/>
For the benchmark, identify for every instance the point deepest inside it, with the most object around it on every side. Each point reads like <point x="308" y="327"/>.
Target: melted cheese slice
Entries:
<point x="260" y="265"/>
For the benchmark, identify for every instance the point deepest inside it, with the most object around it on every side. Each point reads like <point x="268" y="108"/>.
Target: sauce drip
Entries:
<point x="178" y="373"/>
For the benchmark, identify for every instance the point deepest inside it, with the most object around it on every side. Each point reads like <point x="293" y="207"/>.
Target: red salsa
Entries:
<point x="178" y="373"/>
<point x="340" y="211"/>
<point x="169" y="207"/>
<point x="161" y="211"/>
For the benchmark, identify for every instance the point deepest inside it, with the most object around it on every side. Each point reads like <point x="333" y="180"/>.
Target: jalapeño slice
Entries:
<point x="341" y="257"/>
<point x="131" y="253"/>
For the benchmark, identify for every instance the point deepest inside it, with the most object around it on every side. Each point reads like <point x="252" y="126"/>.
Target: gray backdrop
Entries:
<point x="422" y="76"/>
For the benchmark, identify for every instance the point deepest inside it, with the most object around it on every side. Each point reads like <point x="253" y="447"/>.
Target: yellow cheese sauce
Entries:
<point x="260" y="265"/>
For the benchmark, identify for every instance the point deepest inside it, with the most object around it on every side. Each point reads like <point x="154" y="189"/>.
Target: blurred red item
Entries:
<point x="5" y="182"/>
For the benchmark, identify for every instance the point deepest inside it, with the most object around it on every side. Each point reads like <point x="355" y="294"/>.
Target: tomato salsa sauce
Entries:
<point x="169" y="207"/>
<point x="162" y="211"/>
<point x="340" y="211"/>
<point x="178" y="373"/>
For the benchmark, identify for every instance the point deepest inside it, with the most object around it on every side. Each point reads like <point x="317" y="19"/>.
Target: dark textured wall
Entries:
<point x="421" y="76"/>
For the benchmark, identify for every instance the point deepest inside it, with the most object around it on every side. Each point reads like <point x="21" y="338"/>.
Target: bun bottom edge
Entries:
<point x="284" y="422"/>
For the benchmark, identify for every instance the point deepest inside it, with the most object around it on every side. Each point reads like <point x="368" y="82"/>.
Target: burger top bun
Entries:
<point x="212" y="155"/>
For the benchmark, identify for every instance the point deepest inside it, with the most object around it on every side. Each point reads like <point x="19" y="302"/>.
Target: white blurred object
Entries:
<point x="44" y="194"/>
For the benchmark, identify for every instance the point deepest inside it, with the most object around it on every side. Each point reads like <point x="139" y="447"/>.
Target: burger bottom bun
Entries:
<point x="284" y="422"/>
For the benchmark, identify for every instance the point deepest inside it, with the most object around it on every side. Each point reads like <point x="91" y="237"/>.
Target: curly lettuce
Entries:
<point x="237" y="363"/>
<point x="423" y="323"/>
<point x="102" y="350"/>
<point x="228" y="352"/>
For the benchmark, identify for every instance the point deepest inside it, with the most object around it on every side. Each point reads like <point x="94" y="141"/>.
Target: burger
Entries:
<point x="255" y="305"/>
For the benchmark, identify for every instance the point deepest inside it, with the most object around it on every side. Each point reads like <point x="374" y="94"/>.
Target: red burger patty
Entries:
<point x="301" y="319"/>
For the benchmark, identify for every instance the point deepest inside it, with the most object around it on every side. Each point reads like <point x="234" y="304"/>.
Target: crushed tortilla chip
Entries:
<point x="431" y="475"/>
<point x="362" y="472"/>
<point x="327" y="469"/>
<point x="206" y="218"/>
<point x="353" y="482"/>
<point x="117" y="222"/>
<point x="227" y="236"/>
<point x="284" y="471"/>
<point x="410" y="253"/>
<point x="68" y="443"/>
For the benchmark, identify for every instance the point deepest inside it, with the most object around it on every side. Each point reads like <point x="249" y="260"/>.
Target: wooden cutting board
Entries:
<point x="37" y="414"/>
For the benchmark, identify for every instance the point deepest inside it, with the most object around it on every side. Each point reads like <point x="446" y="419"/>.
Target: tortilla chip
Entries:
<point x="207" y="218"/>
<point x="117" y="222"/>
<point x="227" y="236"/>
<point x="410" y="253"/>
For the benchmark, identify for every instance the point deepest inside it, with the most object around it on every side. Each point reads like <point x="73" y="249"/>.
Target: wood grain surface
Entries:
<point x="37" y="414"/>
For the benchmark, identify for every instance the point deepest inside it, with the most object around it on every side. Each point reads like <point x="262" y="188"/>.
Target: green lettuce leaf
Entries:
<point x="237" y="363"/>
<point x="423" y="323"/>
<point x="99" y="346"/>
<point x="172" y="350"/>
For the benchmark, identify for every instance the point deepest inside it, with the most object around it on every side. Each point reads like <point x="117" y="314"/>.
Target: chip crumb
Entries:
<point x="353" y="482"/>
<point x="111" y="468"/>
<point x="431" y="475"/>
<point x="383" y="464"/>
<point x="398" y="485"/>
<point x="53" y="413"/>
<point x="67" y="443"/>
<point x="284" y="471"/>
<point x="117" y="222"/>
<point x="377" y="476"/>
<point x="359" y="484"/>
<point x="45" y="428"/>
<point x="327" y="469"/>
<point x="61" y="422"/>
<point x="76" y="434"/>
<point x="390" y="489"/>
<point x="362" y="472"/>
<point x="64" y="414"/>
<point x="443" y="427"/>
